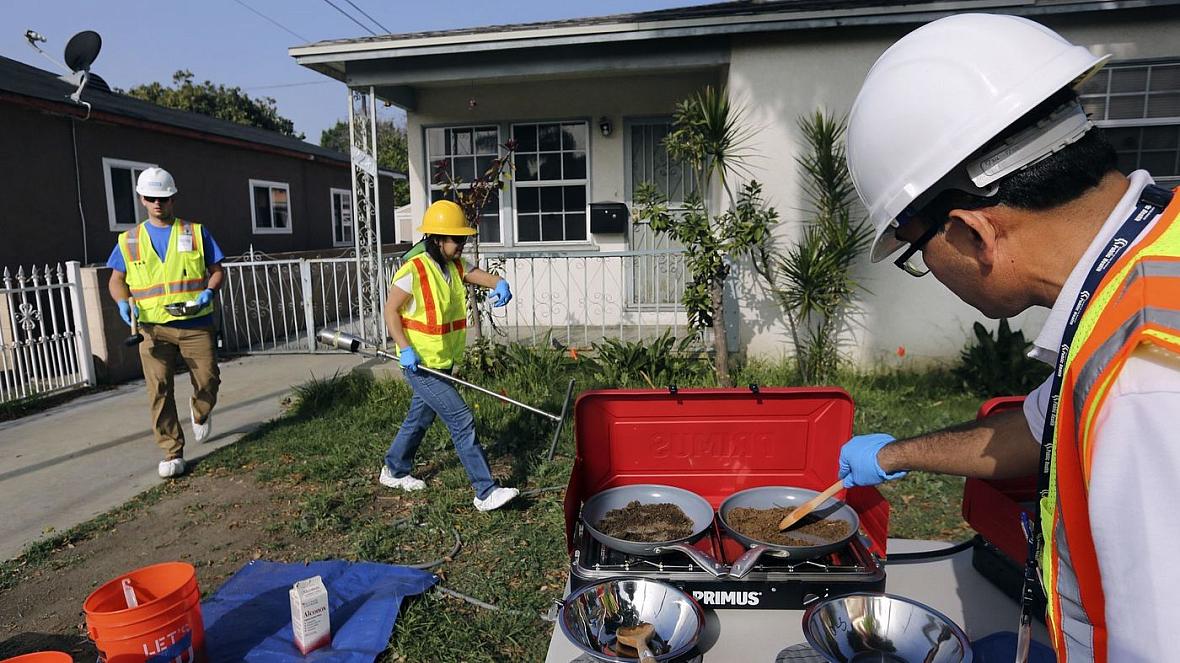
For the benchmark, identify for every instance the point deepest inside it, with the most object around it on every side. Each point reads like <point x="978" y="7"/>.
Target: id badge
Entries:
<point x="184" y="243"/>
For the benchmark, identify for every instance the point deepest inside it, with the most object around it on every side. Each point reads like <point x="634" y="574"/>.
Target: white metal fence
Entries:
<point x="44" y="345"/>
<point x="274" y="306"/>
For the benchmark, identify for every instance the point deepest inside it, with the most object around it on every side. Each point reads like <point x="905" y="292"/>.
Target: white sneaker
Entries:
<point x="406" y="483"/>
<point x="171" y="468"/>
<point x="200" y="431"/>
<point x="498" y="498"/>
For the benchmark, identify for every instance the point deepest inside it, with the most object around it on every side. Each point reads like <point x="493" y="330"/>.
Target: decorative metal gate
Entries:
<point x="44" y="344"/>
<point x="276" y="305"/>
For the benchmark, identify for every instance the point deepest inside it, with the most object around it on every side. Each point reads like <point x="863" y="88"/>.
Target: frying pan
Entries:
<point x="694" y="506"/>
<point x="770" y="497"/>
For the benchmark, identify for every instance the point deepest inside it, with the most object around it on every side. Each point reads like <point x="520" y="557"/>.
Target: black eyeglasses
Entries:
<point x="157" y="199"/>
<point x="458" y="239"/>
<point x="910" y="261"/>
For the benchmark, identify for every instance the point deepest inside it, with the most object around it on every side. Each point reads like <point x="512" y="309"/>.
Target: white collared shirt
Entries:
<point x="1135" y="483"/>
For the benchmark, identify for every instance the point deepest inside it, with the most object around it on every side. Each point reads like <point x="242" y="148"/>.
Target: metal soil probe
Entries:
<point x="352" y="343"/>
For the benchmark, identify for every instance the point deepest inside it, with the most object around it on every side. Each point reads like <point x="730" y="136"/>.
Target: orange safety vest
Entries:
<point x="1138" y="302"/>
<point x="437" y="329"/>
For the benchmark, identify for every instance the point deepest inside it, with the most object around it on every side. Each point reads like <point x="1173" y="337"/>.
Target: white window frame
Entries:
<point x="1144" y="122"/>
<point x="253" y="208"/>
<point x="351" y="225"/>
<point x="107" y="164"/>
<point x="431" y="187"/>
<point x="536" y="184"/>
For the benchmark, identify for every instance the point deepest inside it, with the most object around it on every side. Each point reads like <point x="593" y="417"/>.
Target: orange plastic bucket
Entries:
<point x="165" y="626"/>
<point x="41" y="657"/>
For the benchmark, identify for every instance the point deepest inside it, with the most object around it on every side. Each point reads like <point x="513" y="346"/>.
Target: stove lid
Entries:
<point x="714" y="442"/>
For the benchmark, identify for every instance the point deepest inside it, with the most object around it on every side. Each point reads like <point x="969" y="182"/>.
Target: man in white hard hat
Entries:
<point x="165" y="273"/>
<point x="970" y="151"/>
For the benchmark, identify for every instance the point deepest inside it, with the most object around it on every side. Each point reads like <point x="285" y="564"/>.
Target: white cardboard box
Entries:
<point x="309" y="614"/>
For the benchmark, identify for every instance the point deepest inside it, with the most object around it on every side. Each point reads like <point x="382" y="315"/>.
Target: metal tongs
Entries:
<point x="1027" y="593"/>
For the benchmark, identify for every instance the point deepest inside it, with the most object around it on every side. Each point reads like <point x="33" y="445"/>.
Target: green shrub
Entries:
<point x="524" y="363"/>
<point x="662" y="362"/>
<point x="484" y="359"/>
<point x="999" y="365"/>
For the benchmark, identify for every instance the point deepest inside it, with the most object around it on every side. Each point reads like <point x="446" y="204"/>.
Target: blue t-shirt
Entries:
<point x="160" y="238"/>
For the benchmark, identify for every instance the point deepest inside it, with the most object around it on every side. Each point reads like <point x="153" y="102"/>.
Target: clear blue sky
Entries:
<point x="225" y="42"/>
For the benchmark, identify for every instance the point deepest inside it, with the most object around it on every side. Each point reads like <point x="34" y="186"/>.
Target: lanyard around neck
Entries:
<point x="1152" y="201"/>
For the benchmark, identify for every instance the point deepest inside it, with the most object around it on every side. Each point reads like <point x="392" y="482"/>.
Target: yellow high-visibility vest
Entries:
<point x="437" y="328"/>
<point x="180" y="277"/>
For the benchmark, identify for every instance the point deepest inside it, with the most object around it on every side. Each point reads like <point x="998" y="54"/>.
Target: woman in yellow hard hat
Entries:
<point x="426" y="314"/>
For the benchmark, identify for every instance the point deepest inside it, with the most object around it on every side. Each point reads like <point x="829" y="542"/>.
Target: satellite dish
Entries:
<point x="97" y="83"/>
<point x="82" y="49"/>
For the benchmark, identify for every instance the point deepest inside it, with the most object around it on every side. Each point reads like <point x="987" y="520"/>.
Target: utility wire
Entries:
<point x="351" y="18"/>
<point x="366" y="15"/>
<point x="280" y="25"/>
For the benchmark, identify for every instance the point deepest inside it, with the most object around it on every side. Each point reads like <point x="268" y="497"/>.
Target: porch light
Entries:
<point x="604" y="126"/>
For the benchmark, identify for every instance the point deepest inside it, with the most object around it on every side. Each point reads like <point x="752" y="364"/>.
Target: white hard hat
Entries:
<point x="155" y="182"/>
<point x="944" y="91"/>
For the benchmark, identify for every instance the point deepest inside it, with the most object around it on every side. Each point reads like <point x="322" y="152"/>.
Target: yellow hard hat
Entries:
<point x="445" y="217"/>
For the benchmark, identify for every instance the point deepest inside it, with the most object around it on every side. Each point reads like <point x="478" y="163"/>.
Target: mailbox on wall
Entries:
<point x="609" y="217"/>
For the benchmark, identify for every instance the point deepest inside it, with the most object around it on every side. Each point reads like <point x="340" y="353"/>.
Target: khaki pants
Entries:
<point x="158" y="352"/>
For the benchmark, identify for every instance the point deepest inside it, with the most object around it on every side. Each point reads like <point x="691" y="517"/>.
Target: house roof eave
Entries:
<point x="594" y="31"/>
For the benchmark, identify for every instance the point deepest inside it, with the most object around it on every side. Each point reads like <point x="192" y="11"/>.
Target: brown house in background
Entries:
<point x="69" y="176"/>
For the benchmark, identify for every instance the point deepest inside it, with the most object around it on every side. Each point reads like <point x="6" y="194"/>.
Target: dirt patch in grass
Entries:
<point x="216" y="522"/>
<point x="646" y="523"/>
<point x="762" y="525"/>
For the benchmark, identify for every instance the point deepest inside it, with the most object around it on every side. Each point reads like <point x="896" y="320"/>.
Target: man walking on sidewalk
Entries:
<point x="168" y="261"/>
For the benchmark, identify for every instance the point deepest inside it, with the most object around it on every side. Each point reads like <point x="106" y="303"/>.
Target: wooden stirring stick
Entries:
<point x="809" y="506"/>
<point x="637" y="637"/>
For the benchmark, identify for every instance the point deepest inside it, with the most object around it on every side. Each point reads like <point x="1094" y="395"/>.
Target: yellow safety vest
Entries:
<point x="180" y="277"/>
<point x="1137" y="303"/>
<point x="438" y="326"/>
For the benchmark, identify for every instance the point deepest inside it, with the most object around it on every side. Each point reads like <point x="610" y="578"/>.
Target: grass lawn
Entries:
<point x="322" y="459"/>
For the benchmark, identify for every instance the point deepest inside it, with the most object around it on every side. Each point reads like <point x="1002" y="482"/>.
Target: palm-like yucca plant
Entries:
<point x="709" y="135"/>
<point x="813" y="281"/>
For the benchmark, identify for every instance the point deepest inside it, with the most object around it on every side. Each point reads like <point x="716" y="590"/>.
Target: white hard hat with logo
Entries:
<point x="156" y="183"/>
<point x="942" y="93"/>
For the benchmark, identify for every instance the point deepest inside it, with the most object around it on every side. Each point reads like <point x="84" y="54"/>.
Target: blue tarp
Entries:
<point x="249" y="618"/>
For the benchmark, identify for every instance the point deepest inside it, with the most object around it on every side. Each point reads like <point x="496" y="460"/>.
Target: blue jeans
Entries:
<point x="433" y="395"/>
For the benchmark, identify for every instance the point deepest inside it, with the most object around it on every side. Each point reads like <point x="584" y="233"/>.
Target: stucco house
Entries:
<point x="69" y="175"/>
<point x="588" y="100"/>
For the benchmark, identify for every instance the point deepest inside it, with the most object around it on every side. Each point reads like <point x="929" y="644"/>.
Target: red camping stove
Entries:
<point x="716" y="442"/>
<point x="992" y="508"/>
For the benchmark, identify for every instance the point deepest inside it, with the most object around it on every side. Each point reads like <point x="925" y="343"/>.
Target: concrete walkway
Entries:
<point x="62" y="467"/>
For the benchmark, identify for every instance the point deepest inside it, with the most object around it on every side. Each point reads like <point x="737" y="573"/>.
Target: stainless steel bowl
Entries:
<point x="182" y="309"/>
<point x="590" y="617"/>
<point x="883" y="627"/>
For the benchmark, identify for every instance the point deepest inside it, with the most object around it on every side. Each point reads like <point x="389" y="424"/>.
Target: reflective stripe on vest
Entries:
<point x="437" y="329"/>
<point x="1138" y="303"/>
<point x="155" y="283"/>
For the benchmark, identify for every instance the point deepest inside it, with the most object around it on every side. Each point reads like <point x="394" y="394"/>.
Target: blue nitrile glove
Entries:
<point x="408" y="360"/>
<point x="206" y="298"/>
<point x="502" y="294"/>
<point x="858" y="461"/>
<point x="126" y="310"/>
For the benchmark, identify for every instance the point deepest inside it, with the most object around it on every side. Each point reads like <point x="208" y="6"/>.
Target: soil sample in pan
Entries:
<point x="762" y="525"/>
<point x="646" y="523"/>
